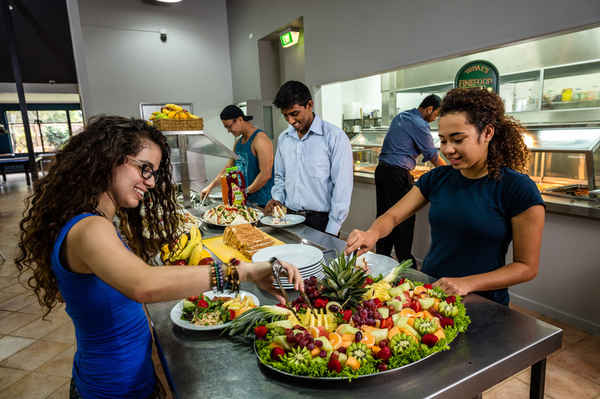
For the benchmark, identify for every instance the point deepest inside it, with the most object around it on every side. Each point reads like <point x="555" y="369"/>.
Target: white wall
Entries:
<point x="348" y="39"/>
<point x="332" y="103"/>
<point x="127" y="63"/>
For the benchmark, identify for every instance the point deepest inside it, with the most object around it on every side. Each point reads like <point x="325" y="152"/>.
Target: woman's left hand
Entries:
<point x="261" y="274"/>
<point x="453" y="285"/>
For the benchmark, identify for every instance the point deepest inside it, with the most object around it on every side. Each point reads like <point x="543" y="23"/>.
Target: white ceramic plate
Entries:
<point x="176" y="311"/>
<point x="287" y="286"/>
<point x="299" y="255"/>
<point x="377" y="263"/>
<point x="288" y="221"/>
<point x="258" y="212"/>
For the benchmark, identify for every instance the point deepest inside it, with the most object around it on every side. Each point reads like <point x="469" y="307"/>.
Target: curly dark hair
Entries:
<point x="482" y="108"/>
<point x="81" y="172"/>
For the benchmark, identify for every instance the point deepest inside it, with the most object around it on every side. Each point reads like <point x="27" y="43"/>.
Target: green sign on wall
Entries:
<point x="478" y="74"/>
<point x="286" y="39"/>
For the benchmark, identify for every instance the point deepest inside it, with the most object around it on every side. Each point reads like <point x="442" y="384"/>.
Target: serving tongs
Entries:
<point x="278" y="269"/>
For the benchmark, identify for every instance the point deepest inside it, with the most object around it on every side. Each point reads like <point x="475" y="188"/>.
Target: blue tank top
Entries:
<point x="248" y="164"/>
<point x="114" y="345"/>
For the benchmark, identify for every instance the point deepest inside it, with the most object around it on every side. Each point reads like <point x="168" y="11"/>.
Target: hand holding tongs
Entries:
<point x="278" y="269"/>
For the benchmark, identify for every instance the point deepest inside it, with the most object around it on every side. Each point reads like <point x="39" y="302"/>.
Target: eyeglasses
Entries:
<point x="145" y="169"/>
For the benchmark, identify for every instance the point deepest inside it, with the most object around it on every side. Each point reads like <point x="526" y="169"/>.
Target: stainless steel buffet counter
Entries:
<point x="499" y="343"/>
<point x="564" y="206"/>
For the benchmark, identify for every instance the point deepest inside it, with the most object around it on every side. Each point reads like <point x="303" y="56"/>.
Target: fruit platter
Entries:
<point x="212" y="310"/>
<point x="356" y="325"/>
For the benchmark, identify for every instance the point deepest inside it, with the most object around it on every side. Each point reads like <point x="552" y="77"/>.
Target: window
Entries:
<point x="49" y="128"/>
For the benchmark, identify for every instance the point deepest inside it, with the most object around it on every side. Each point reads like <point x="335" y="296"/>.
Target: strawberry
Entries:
<point x="231" y="314"/>
<point x="347" y="314"/>
<point x="334" y="364"/>
<point x="416" y="306"/>
<point x="428" y="286"/>
<point x="192" y="298"/>
<point x="180" y="262"/>
<point x="277" y="352"/>
<point x="451" y="299"/>
<point x="260" y="331"/>
<point x="385" y="353"/>
<point x="446" y="321"/>
<point x="202" y="303"/>
<point x="368" y="281"/>
<point x="320" y="302"/>
<point x="429" y="339"/>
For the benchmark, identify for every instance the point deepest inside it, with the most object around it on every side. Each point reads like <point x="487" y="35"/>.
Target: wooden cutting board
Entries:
<point x="225" y="253"/>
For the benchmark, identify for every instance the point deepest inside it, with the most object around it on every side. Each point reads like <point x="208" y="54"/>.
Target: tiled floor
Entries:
<point x="36" y="355"/>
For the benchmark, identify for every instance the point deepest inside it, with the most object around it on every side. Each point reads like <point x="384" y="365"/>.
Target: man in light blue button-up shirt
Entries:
<point x="313" y="163"/>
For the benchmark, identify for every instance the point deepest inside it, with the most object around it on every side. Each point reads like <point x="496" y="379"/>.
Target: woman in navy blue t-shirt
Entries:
<point x="479" y="203"/>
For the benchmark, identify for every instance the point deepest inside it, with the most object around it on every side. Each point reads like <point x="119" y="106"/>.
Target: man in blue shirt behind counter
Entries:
<point x="407" y="137"/>
<point x="313" y="163"/>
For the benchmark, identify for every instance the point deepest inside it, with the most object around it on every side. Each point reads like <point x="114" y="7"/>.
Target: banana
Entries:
<point x="174" y="107"/>
<point x="171" y="114"/>
<point x="194" y="233"/>
<point x="195" y="238"/>
<point x="165" y="252"/>
<point x="197" y="254"/>
<point x="180" y="246"/>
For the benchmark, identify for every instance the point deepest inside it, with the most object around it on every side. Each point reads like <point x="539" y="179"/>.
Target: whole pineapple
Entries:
<point x="343" y="281"/>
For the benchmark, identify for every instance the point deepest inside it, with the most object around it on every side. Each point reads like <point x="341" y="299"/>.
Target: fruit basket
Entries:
<point x="174" y="124"/>
<point x="356" y="326"/>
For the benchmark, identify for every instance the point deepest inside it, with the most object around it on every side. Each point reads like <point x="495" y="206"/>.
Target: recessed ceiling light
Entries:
<point x="168" y="1"/>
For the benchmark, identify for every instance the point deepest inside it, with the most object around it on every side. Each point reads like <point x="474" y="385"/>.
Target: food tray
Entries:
<point x="579" y="191"/>
<point x="260" y="214"/>
<point x="366" y="378"/>
<point x="225" y="253"/>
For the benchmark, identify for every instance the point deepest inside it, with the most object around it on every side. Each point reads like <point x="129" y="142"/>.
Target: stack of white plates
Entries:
<point x="305" y="257"/>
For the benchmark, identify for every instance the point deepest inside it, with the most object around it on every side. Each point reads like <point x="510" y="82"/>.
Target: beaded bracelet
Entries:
<point x="216" y="276"/>
<point x="232" y="277"/>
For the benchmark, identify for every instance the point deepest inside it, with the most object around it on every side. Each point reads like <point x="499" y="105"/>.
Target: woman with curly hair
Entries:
<point x="73" y="253"/>
<point x="479" y="203"/>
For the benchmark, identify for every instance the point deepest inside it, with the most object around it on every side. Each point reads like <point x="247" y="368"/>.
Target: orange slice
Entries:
<point x="440" y="333"/>
<point x="393" y="331"/>
<point x="407" y="312"/>
<point x="419" y="290"/>
<point x="335" y="339"/>
<point x="314" y="331"/>
<point x="368" y="339"/>
<point x="348" y="337"/>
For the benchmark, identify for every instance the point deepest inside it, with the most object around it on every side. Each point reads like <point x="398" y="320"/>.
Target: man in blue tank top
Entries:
<point x="255" y="151"/>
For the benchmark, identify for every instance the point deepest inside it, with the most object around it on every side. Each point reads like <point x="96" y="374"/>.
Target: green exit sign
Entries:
<point x="289" y="38"/>
<point x="286" y="39"/>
